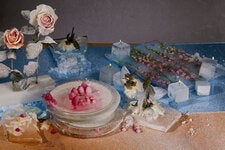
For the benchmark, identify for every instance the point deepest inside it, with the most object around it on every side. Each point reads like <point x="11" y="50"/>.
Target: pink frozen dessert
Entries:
<point x="83" y="103"/>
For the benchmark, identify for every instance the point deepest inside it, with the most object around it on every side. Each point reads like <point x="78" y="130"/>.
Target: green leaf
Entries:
<point x="16" y="75"/>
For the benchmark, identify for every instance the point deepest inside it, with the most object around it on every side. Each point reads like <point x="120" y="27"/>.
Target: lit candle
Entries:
<point x="106" y="73"/>
<point x="178" y="91"/>
<point x="202" y="87"/>
<point x="120" y="49"/>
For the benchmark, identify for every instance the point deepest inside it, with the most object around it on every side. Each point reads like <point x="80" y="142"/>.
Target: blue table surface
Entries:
<point x="96" y="55"/>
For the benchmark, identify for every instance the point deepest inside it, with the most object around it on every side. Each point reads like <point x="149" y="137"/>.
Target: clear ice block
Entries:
<point x="202" y="87"/>
<point x="208" y="68"/>
<point x="106" y="73"/>
<point x="120" y="49"/>
<point x="178" y="91"/>
<point x="71" y="66"/>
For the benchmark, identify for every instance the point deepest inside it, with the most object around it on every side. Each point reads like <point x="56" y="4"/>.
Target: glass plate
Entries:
<point x="111" y="127"/>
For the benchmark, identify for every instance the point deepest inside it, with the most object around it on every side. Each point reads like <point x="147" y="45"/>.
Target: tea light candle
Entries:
<point x="202" y="87"/>
<point x="208" y="68"/>
<point x="120" y="49"/>
<point x="178" y="91"/>
<point x="106" y="73"/>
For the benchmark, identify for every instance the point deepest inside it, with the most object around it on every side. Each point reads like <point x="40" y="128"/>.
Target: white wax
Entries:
<point x="178" y="91"/>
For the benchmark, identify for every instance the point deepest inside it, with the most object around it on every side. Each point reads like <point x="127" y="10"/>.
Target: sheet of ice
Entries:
<point x="34" y="91"/>
<point x="163" y="122"/>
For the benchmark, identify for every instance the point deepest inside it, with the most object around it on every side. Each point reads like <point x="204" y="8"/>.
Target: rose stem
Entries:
<point x="37" y="71"/>
<point x="11" y="63"/>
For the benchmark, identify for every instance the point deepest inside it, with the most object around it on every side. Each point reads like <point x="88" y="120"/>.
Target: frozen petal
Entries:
<point x="3" y="56"/>
<point x="1" y="39"/>
<point x="49" y="40"/>
<point x="33" y="50"/>
<point x="4" y="71"/>
<point x="30" y="68"/>
<point x="26" y="14"/>
<point x="28" y="30"/>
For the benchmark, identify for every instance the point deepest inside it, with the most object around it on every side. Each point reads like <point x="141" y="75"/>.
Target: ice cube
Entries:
<point x="120" y="49"/>
<point x="178" y="91"/>
<point x="106" y="73"/>
<point x="202" y="87"/>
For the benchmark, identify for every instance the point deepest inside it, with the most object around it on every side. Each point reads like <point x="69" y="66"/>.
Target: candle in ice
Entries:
<point x="208" y="68"/>
<point x="178" y="91"/>
<point x="120" y="49"/>
<point x="202" y="87"/>
<point x="106" y="73"/>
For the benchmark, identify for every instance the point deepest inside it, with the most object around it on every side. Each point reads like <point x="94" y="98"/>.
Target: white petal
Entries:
<point x="30" y="68"/>
<point x="33" y="18"/>
<point x="3" y="56"/>
<point x="11" y="54"/>
<point x="44" y="31"/>
<point x="1" y="39"/>
<point x="4" y="71"/>
<point x="25" y="14"/>
<point x="33" y="50"/>
<point x="49" y="40"/>
<point x="28" y="30"/>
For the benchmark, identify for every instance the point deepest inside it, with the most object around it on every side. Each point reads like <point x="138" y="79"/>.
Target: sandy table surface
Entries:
<point x="198" y="131"/>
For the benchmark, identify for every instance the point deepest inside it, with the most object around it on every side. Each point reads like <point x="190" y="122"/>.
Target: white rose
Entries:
<point x="44" y="17"/>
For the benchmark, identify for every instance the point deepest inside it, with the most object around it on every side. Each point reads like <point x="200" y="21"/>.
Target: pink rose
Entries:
<point x="44" y="17"/>
<point x="13" y="38"/>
